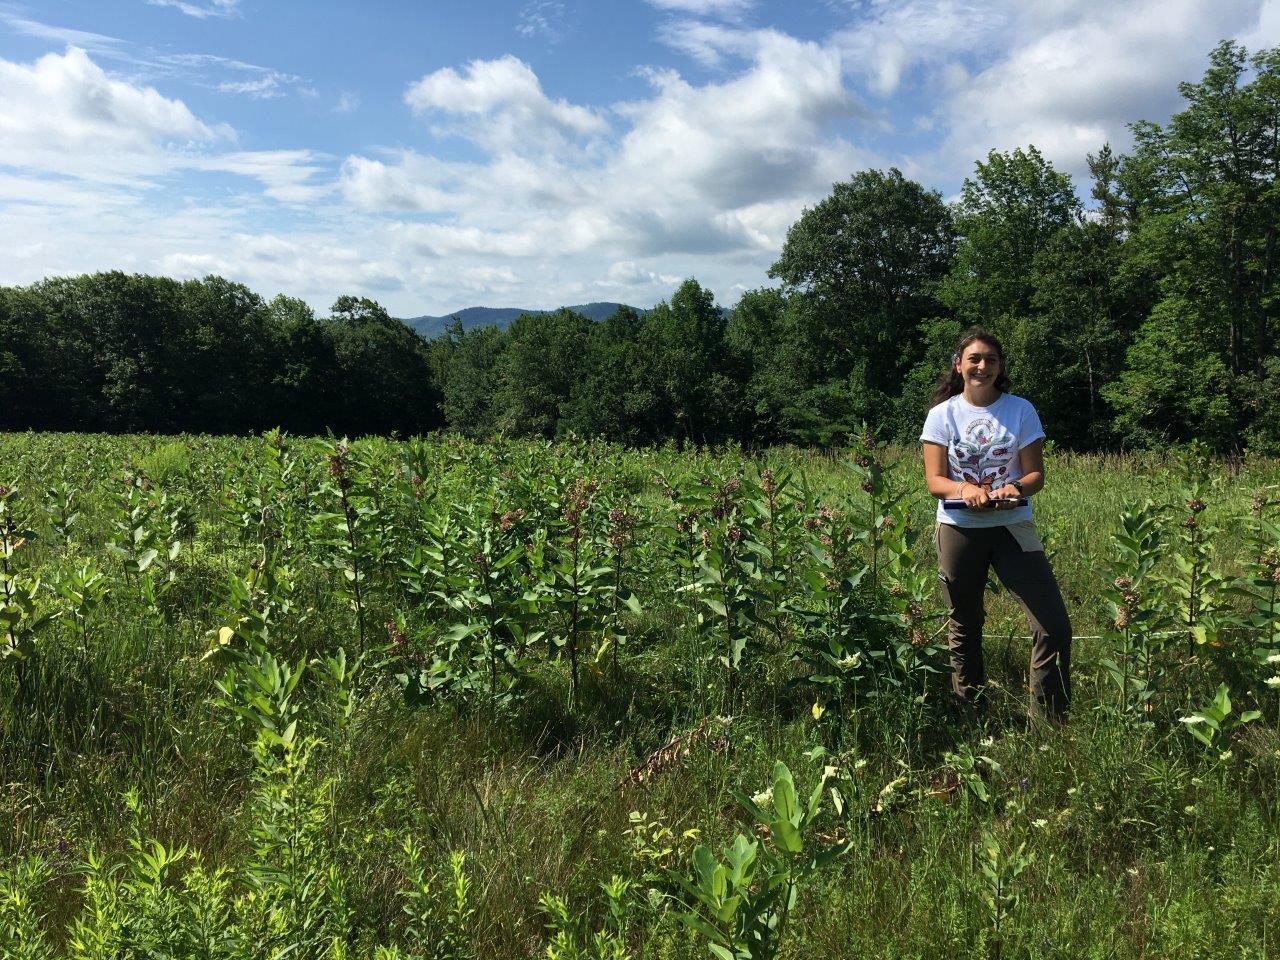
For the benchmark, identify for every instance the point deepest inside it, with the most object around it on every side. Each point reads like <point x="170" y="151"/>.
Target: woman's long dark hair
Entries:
<point x="951" y="383"/>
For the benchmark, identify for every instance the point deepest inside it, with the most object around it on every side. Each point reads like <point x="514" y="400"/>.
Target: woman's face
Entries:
<point x="979" y="365"/>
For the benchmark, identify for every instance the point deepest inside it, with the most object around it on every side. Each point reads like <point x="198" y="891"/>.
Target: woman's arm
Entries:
<point x="939" y="479"/>
<point x="935" y="472"/>
<point x="1032" y="478"/>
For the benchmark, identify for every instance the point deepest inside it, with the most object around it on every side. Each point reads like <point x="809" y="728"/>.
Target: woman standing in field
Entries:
<point x="985" y="447"/>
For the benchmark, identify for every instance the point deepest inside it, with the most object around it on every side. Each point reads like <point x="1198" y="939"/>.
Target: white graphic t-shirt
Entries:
<point x="983" y="445"/>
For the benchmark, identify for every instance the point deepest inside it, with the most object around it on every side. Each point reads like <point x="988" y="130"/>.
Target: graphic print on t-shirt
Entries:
<point x="983" y="454"/>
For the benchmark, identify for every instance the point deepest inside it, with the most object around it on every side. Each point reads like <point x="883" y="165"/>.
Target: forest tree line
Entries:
<point x="1146" y="317"/>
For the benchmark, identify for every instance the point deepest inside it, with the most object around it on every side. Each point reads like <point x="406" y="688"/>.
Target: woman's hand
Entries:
<point x="1007" y="492"/>
<point x="975" y="497"/>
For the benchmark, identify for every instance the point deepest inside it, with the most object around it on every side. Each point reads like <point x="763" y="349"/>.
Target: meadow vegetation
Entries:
<point x="278" y="697"/>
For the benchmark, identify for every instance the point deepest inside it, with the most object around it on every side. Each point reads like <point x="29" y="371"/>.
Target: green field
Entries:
<point x="283" y="697"/>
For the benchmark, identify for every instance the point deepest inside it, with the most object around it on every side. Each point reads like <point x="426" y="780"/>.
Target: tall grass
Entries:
<point x="458" y="791"/>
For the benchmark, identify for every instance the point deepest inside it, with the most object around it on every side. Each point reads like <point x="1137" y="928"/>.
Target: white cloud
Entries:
<point x="705" y="8"/>
<point x="84" y="39"/>
<point x="228" y="75"/>
<point x="224" y="9"/>
<point x="414" y="183"/>
<point x="452" y="240"/>
<point x="306" y="264"/>
<point x="491" y="195"/>
<point x="504" y="102"/>
<point x="93" y="171"/>
<point x="347" y="103"/>
<point x="286" y="175"/>
<point x="34" y="194"/>
<point x="90" y="226"/>
<point x="1069" y="78"/>
<point x="1266" y="30"/>
<point x="543" y="19"/>
<point x="698" y="169"/>
<point x="894" y="37"/>
<point x="700" y="178"/>
<point x="707" y="43"/>
<point x="260" y="88"/>
<point x="64" y="114"/>
<point x="147" y="65"/>
<point x="627" y="273"/>
<point x="763" y="135"/>
<point x="488" y="280"/>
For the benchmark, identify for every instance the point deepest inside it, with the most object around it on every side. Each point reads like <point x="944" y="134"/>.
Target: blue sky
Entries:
<point x="535" y="152"/>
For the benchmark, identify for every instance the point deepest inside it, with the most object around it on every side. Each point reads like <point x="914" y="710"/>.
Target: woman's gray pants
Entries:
<point x="964" y="556"/>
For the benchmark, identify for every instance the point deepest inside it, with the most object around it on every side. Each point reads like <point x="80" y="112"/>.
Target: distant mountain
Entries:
<point x="499" y="317"/>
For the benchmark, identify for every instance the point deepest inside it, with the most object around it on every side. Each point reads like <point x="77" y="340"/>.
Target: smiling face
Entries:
<point x="979" y="366"/>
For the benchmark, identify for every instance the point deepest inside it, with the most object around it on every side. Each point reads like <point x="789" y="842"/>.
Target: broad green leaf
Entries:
<point x="511" y="556"/>
<point x="784" y="793"/>
<point x="704" y="865"/>
<point x="701" y="926"/>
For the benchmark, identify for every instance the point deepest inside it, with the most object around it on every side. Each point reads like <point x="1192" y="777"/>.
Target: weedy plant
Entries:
<point x="342" y="533"/>
<point x="884" y="497"/>
<point x="61" y="504"/>
<point x="297" y="892"/>
<point x="83" y="589"/>
<point x="274" y="826"/>
<point x="1194" y="586"/>
<point x="832" y="640"/>
<point x="739" y="902"/>
<point x="728" y="584"/>
<point x="21" y="921"/>
<point x="775" y="518"/>
<point x="1000" y="864"/>
<point x="256" y="608"/>
<point x="490" y="604"/>
<point x="620" y="537"/>
<point x="149" y="529"/>
<point x="972" y="770"/>
<point x="567" y="939"/>
<point x="908" y="607"/>
<point x="260" y="508"/>
<point x="683" y="529"/>
<point x="1136" y="612"/>
<point x="578" y="581"/>
<point x="1259" y="588"/>
<point x="20" y="608"/>
<point x="152" y="900"/>
<point x="1216" y="723"/>
<point x="437" y="906"/>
